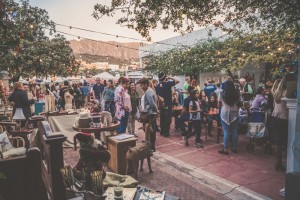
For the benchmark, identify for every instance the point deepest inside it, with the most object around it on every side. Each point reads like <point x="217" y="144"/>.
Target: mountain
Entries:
<point x="104" y="50"/>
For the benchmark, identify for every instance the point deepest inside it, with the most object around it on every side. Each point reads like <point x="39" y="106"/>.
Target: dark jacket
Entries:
<point x="19" y="97"/>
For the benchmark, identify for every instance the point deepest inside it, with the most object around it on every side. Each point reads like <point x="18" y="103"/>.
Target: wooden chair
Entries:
<point x="16" y="142"/>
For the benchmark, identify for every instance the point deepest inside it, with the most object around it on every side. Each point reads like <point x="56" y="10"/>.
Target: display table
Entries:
<point x="97" y="131"/>
<point x="140" y="189"/>
<point x="118" y="150"/>
<point x="35" y="119"/>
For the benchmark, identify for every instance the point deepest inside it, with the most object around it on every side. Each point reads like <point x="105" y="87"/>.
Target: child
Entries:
<point x="95" y="114"/>
<point x="195" y="117"/>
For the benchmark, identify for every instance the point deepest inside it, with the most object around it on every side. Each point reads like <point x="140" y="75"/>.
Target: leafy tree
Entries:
<point x="233" y="53"/>
<point x="26" y="49"/>
<point x="144" y="15"/>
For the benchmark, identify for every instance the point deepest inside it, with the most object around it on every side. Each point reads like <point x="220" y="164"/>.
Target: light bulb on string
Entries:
<point x="279" y="49"/>
<point x="243" y="54"/>
<point x="157" y="44"/>
<point x="269" y="47"/>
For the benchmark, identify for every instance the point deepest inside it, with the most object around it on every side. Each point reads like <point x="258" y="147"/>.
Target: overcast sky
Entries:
<point x="77" y="13"/>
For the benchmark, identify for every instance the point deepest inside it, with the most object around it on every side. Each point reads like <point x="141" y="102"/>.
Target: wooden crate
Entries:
<point x="118" y="149"/>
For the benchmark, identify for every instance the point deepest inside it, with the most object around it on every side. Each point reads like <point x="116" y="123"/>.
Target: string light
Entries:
<point x="279" y="49"/>
<point x="268" y="47"/>
<point x="125" y="37"/>
<point x="102" y="42"/>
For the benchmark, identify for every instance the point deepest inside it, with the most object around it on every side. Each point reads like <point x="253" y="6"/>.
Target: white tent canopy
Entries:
<point x="104" y="75"/>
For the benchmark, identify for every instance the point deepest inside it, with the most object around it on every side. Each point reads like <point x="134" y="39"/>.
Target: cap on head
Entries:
<point x="162" y="76"/>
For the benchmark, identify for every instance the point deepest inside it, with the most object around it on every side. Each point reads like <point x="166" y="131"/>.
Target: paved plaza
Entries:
<point x="195" y="174"/>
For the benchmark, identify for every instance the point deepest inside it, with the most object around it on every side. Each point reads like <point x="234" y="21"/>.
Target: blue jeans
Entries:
<point x="230" y="133"/>
<point x="123" y="123"/>
<point x="110" y="107"/>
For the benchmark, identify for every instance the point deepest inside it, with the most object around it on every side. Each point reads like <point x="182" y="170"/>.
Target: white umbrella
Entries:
<point x="104" y="75"/>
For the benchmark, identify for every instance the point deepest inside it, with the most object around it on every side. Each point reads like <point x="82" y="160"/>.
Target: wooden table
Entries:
<point x="214" y="114"/>
<point x="97" y="131"/>
<point x="33" y="120"/>
<point x="118" y="150"/>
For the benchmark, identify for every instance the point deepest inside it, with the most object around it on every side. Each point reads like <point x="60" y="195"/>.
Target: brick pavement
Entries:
<point x="248" y="170"/>
<point x="164" y="179"/>
<point x="178" y="169"/>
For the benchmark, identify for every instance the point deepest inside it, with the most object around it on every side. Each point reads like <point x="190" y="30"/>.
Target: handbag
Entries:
<point x="142" y="116"/>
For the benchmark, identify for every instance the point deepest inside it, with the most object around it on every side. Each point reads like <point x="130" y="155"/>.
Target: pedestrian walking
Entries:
<point x="85" y="93"/>
<point x="98" y="89"/>
<point x="108" y="95"/>
<point x="229" y="116"/>
<point x="164" y="90"/>
<point x="134" y="98"/>
<point x="123" y="105"/>
<point x="148" y="104"/>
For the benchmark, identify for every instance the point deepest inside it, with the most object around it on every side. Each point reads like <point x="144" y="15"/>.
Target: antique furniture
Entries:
<point x="23" y="177"/>
<point x="97" y="130"/>
<point x="51" y="147"/>
<point x="118" y="149"/>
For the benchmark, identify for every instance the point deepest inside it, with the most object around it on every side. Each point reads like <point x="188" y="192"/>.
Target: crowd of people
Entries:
<point x="126" y="100"/>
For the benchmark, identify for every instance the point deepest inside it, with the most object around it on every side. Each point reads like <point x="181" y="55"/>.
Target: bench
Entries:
<point x="36" y="175"/>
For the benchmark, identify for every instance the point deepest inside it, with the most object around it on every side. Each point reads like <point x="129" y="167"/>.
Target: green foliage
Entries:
<point x="232" y="53"/>
<point x="26" y="49"/>
<point x="144" y="15"/>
